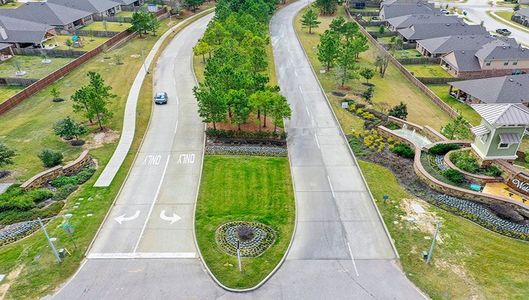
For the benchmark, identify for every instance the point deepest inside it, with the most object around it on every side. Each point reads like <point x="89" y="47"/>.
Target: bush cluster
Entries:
<point x="219" y="133"/>
<point x="77" y="179"/>
<point x="465" y="161"/>
<point x="454" y="176"/>
<point x="17" y="199"/>
<point x="441" y="149"/>
<point x="403" y="150"/>
<point x="50" y="158"/>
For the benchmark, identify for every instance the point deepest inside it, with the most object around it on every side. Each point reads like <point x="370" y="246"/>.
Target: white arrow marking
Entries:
<point x="175" y="218"/>
<point x="122" y="218"/>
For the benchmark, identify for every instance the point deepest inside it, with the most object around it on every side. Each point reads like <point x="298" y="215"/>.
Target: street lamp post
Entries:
<point x="430" y="252"/>
<point x="50" y="242"/>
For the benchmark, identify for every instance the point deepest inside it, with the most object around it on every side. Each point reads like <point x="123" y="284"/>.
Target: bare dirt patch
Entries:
<point x="418" y="215"/>
<point x="461" y="273"/>
<point x="99" y="139"/>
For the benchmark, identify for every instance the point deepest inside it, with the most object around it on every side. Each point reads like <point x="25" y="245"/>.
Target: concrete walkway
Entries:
<point x="129" y="119"/>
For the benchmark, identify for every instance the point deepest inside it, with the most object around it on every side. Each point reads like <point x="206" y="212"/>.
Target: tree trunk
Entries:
<point x="259" y="114"/>
<point x="99" y="122"/>
<point x="239" y="126"/>
<point x="264" y="117"/>
<point x="203" y="58"/>
<point x="214" y="126"/>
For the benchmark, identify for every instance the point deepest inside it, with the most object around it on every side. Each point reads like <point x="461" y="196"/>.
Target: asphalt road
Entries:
<point x="146" y="248"/>
<point x="340" y="248"/>
<point x="477" y="12"/>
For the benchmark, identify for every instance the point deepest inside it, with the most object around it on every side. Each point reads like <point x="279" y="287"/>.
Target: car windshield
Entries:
<point x="160" y="96"/>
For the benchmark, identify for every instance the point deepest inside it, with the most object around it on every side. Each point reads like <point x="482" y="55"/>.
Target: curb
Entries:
<point x="279" y="264"/>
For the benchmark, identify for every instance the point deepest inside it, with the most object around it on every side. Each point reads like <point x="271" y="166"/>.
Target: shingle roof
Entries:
<point x="409" y="20"/>
<point x="391" y="2"/>
<point x="93" y="6"/>
<point x="427" y="31"/>
<point x="463" y="60"/>
<point x="504" y="89"/>
<point x="46" y="13"/>
<point x="446" y="44"/>
<point x="125" y="2"/>
<point x="523" y="12"/>
<point x="396" y="10"/>
<point x="503" y="114"/>
<point x="22" y="31"/>
<point x="494" y="52"/>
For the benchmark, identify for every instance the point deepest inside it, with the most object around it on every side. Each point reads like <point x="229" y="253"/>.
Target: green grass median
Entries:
<point x="244" y="188"/>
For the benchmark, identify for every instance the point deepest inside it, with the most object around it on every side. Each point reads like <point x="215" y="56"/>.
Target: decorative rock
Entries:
<point x="260" y="239"/>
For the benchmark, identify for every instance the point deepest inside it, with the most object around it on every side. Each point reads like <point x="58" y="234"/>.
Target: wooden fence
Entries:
<point x="113" y="19"/>
<point x="48" y="52"/>
<point x="420" y="60"/>
<point x="96" y="33"/>
<point x="56" y="75"/>
<point x="431" y="95"/>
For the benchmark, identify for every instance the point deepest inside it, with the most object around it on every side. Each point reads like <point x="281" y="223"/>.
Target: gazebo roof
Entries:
<point x="503" y="114"/>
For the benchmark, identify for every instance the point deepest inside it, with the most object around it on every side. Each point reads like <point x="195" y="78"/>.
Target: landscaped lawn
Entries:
<point x="407" y="53"/>
<point x="441" y="90"/>
<point x="88" y="43"/>
<point x="27" y="128"/>
<point x="244" y="188"/>
<point x="428" y="70"/>
<point x="9" y="5"/>
<point x="392" y="89"/>
<point x="469" y="262"/>
<point x="8" y="91"/>
<point x="385" y="39"/>
<point x="125" y="14"/>
<point x="106" y="26"/>
<point x="32" y="65"/>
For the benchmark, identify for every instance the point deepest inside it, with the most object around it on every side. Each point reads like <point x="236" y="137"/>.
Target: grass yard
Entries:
<point x="106" y="26"/>
<point x="385" y="39"/>
<point x="391" y="89"/>
<point x="469" y="262"/>
<point x="11" y="5"/>
<point x="125" y="14"/>
<point x="7" y="92"/>
<point x="32" y="65"/>
<point x="89" y="43"/>
<point x="407" y="53"/>
<point x="28" y="129"/>
<point x="428" y="70"/>
<point x="505" y="17"/>
<point x="441" y="90"/>
<point x="244" y="188"/>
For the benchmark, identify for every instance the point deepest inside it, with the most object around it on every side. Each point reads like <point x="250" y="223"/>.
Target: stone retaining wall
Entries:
<point x="43" y="177"/>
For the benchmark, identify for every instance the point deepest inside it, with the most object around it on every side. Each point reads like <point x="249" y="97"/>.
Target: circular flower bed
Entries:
<point x="253" y="238"/>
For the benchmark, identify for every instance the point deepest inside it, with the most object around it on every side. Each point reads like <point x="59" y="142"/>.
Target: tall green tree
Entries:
<point x="241" y="107"/>
<point x="367" y="73"/>
<point x="202" y="48"/>
<point x="153" y="24"/>
<point x="279" y="110"/>
<point x="212" y="105"/>
<point x="67" y="128"/>
<point x="6" y="155"/>
<point x="193" y="4"/>
<point x="457" y="129"/>
<point x="93" y="99"/>
<point x="327" y="7"/>
<point x="141" y="22"/>
<point x="346" y="61"/>
<point x="310" y="20"/>
<point x="328" y="49"/>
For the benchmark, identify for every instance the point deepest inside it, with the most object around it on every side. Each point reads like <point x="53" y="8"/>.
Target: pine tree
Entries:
<point x="310" y="20"/>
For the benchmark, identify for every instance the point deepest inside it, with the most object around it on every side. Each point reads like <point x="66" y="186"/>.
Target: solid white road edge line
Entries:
<point x="330" y="184"/>
<point x="152" y="204"/>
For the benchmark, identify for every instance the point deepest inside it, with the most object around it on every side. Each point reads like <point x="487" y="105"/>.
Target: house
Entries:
<point x="409" y="20"/>
<point x="129" y="3"/>
<point x="501" y="130"/>
<point x="22" y="33"/>
<point x="101" y="8"/>
<point x="490" y="60"/>
<point x="391" y="2"/>
<point x="493" y="90"/>
<point x="522" y="16"/>
<point x="397" y="9"/>
<point x="64" y="19"/>
<point x="436" y="47"/>
<point x="428" y="31"/>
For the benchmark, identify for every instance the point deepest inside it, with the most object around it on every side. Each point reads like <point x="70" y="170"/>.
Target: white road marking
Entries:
<point x="122" y="218"/>
<point x="352" y="259"/>
<point x="318" y="144"/>
<point x="330" y="184"/>
<point x="185" y="159"/>
<point x="307" y="109"/>
<point x="173" y="219"/>
<point x="129" y="255"/>
<point x="152" y="160"/>
<point x="300" y="90"/>
<point x="176" y="126"/>
<point x="153" y="202"/>
<point x="295" y="73"/>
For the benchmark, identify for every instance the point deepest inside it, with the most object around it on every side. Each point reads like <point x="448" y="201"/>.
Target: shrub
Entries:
<point x="84" y="175"/>
<point x="493" y="171"/>
<point x="14" y="198"/>
<point x="403" y="150"/>
<point x="453" y="175"/>
<point x="399" y="111"/>
<point x="63" y="180"/>
<point x="63" y="192"/>
<point x="465" y="161"/>
<point x="219" y="133"/>
<point x="50" y="158"/>
<point x="440" y="149"/>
